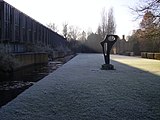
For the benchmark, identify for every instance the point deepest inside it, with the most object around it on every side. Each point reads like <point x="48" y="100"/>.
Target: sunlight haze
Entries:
<point x="85" y="14"/>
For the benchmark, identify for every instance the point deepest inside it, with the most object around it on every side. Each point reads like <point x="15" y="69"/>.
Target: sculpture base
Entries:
<point x="107" y="67"/>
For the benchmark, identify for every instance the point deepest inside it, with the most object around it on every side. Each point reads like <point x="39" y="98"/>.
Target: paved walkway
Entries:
<point x="79" y="90"/>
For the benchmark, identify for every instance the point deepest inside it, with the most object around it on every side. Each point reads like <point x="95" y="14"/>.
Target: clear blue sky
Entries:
<point x="86" y="14"/>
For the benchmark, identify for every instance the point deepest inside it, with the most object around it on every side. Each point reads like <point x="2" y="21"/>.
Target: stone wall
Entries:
<point x="26" y="59"/>
<point x="150" y="55"/>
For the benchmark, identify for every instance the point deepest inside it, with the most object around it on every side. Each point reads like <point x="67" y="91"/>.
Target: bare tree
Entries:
<point x="99" y="30"/>
<point x="111" y="26"/>
<point x="104" y="22"/>
<point x="53" y="27"/>
<point x="147" y="21"/>
<point x="73" y="33"/>
<point x="83" y="37"/>
<point x="148" y="5"/>
<point x="108" y="25"/>
<point x="65" y="30"/>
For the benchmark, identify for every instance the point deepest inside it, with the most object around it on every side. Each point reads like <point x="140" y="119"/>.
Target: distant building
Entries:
<point x="120" y="46"/>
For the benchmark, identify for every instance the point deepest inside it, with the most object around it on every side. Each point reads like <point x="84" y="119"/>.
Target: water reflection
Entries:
<point x="13" y="84"/>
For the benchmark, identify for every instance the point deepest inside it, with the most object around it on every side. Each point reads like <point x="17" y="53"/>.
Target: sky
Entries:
<point x="84" y="14"/>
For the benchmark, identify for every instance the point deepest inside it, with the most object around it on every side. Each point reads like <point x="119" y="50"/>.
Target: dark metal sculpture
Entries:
<point x="107" y="46"/>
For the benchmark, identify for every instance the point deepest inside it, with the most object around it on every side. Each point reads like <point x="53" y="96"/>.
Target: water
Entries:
<point x="13" y="84"/>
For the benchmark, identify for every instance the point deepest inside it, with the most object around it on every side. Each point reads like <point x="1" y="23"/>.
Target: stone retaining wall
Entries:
<point x="157" y="56"/>
<point x="26" y="59"/>
<point x="150" y="55"/>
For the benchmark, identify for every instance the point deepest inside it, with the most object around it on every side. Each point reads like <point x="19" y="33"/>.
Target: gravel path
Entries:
<point x="79" y="90"/>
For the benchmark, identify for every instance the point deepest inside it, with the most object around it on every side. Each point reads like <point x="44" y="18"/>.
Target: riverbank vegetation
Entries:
<point x="7" y="61"/>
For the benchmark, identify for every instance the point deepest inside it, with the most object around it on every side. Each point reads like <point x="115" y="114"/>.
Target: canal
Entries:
<point x="11" y="85"/>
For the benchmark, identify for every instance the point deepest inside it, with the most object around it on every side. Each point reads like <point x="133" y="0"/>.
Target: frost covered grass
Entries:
<point x="79" y="90"/>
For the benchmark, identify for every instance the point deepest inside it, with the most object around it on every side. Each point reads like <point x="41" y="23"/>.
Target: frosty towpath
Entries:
<point x="79" y="90"/>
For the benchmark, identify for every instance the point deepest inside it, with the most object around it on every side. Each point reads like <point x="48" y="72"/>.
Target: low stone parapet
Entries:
<point x="150" y="55"/>
<point x="144" y="54"/>
<point x="157" y="56"/>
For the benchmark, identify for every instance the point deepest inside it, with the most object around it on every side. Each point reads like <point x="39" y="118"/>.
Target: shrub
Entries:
<point x="7" y="62"/>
